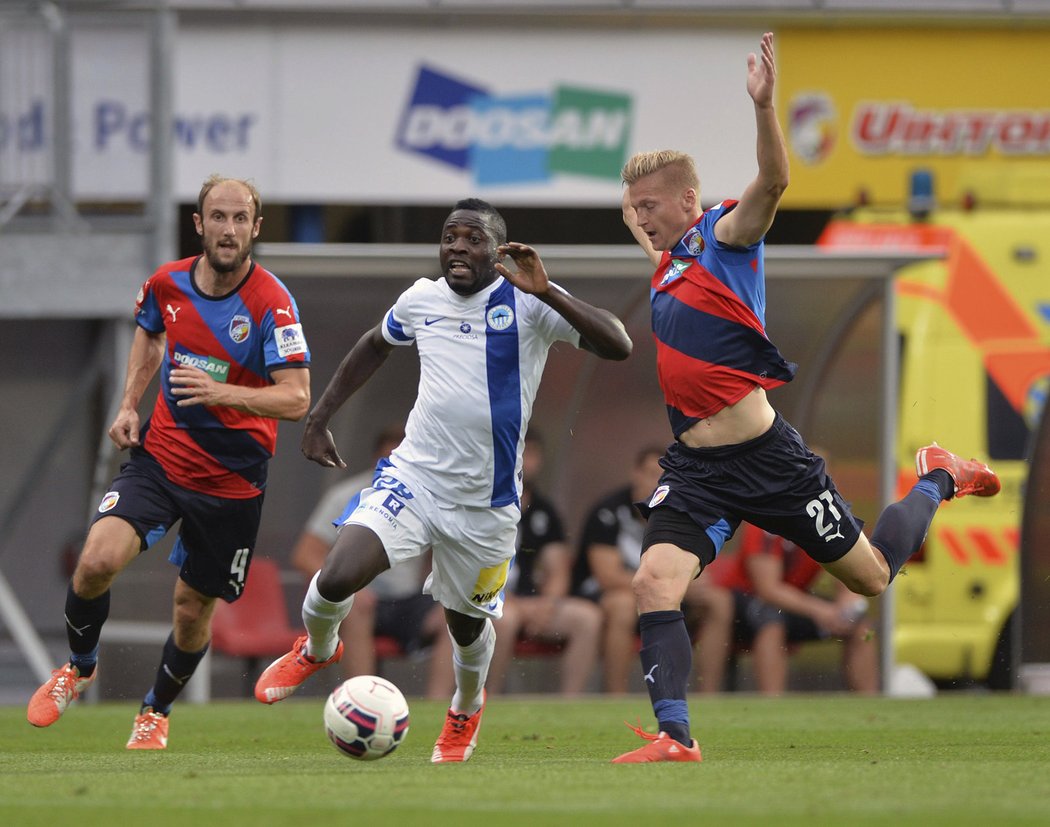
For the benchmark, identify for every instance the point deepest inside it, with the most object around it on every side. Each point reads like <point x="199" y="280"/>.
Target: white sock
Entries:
<point x="322" y="619"/>
<point x="470" y="665"/>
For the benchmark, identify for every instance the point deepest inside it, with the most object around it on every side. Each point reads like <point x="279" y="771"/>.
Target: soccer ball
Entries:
<point x="366" y="717"/>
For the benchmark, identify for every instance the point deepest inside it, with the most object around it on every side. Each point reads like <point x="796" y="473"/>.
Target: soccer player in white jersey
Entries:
<point x="482" y="332"/>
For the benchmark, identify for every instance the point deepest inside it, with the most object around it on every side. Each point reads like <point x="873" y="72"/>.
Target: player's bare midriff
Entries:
<point x="747" y="419"/>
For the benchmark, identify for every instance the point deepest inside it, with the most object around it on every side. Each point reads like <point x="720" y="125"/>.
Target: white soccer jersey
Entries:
<point x="481" y="358"/>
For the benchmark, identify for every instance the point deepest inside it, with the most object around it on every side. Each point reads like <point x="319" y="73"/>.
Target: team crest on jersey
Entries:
<point x="659" y="495"/>
<point x="240" y="327"/>
<point x="694" y="242"/>
<point x="290" y="340"/>
<point x="109" y="502"/>
<point x="677" y="267"/>
<point x="500" y="317"/>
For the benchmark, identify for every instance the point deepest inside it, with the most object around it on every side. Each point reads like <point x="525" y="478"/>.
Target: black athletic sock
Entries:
<point x="901" y="528"/>
<point x="176" y="669"/>
<point x="84" y="619"/>
<point x="943" y="480"/>
<point x="667" y="658"/>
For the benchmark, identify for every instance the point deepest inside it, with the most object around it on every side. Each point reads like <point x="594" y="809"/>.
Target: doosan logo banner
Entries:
<point x="516" y="139"/>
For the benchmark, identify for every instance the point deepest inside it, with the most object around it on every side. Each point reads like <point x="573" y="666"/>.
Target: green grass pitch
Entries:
<point x="800" y="760"/>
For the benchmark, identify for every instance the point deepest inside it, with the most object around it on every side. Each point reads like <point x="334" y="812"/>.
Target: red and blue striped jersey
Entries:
<point x="708" y="315"/>
<point x="239" y="338"/>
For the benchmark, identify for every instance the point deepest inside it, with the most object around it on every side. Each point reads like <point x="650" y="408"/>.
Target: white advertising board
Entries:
<point x="396" y="115"/>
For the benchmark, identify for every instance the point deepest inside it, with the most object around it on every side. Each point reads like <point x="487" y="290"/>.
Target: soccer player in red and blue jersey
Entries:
<point x="226" y="337"/>
<point x="734" y="457"/>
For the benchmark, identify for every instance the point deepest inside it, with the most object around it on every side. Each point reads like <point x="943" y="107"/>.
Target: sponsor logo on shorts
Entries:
<point x="659" y="495"/>
<point x="109" y="502"/>
<point x="240" y="327"/>
<point x="290" y="340"/>
<point x="490" y="583"/>
<point x="390" y="508"/>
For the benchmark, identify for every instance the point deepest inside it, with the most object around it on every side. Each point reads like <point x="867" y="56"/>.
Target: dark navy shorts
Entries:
<point x="217" y="535"/>
<point x="773" y="481"/>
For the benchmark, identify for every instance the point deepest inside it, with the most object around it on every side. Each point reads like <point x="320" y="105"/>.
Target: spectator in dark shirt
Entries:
<point x="538" y="605"/>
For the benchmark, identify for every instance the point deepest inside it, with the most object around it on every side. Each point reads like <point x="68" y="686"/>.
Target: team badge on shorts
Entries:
<point x="109" y="502"/>
<point x="659" y="495"/>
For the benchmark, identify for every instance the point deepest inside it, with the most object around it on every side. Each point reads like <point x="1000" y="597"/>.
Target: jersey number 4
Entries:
<point x="237" y="568"/>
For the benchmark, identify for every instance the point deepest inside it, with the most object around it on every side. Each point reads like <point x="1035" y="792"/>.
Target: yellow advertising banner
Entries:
<point x="864" y="108"/>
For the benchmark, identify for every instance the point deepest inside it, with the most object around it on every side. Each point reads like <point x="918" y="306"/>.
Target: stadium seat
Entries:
<point x="255" y="627"/>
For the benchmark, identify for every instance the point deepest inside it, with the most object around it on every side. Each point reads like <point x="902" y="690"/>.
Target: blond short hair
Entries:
<point x="680" y="167"/>
<point x="215" y="179"/>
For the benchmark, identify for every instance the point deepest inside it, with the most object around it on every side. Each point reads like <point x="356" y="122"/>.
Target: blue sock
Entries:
<point x="901" y="528"/>
<point x="85" y="663"/>
<point x="176" y="669"/>
<point x="940" y="480"/>
<point x="667" y="658"/>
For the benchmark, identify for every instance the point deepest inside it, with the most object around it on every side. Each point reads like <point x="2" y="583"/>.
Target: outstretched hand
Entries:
<point x="531" y="276"/>
<point x="319" y="446"/>
<point x="762" y="73"/>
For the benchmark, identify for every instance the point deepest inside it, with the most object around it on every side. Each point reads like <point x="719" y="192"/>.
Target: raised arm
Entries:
<point x="600" y="331"/>
<point x="357" y="367"/>
<point x="753" y="216"/>
<point x="630" y="218"/>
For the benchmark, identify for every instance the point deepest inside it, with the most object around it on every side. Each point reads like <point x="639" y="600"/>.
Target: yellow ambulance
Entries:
<point x="975" y="366"/>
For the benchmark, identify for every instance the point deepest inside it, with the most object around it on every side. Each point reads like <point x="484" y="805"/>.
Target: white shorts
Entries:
<point x="472" y="546"/>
